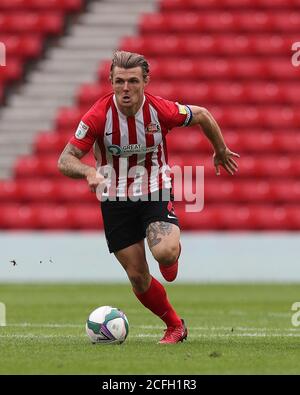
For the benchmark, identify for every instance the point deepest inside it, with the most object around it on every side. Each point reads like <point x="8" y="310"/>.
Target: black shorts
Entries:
<point x="125" y="222"/>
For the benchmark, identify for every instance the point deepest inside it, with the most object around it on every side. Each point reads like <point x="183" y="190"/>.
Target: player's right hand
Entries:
<point x="94" y="179"/>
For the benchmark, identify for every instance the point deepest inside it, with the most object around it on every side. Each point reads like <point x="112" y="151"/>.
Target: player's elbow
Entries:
<point x="202" y="115"/>
<point x="61" y="164"/>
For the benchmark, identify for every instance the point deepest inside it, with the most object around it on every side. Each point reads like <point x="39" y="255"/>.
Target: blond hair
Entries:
<point x="128" y="60"/>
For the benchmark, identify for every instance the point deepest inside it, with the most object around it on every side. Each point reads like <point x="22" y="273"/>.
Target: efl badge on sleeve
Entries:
<point x="81" y="131"/>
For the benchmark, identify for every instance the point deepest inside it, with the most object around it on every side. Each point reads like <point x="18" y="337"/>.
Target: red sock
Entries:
<point x="156" y="300"/>
<point x="170" y="272"/>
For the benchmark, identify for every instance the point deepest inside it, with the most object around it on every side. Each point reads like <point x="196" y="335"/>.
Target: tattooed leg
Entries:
<point x="156" y="231"/>
<point x="163" y="241"/>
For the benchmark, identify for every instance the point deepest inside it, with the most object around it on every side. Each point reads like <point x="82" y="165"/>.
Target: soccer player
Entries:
<point x="127" y="130"/>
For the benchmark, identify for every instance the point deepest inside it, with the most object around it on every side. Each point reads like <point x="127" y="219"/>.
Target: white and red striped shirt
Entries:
<point x="133" y="148"/>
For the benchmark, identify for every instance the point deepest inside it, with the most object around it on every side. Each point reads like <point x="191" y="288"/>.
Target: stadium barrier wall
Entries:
<point x="206" y="257"/>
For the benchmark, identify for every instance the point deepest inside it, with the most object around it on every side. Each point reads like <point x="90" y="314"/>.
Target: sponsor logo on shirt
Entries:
<point x="114" y="149"/>
<point x="152" y="128"/>
<point x="130" y="149"/>
<point x="81" y="131"/>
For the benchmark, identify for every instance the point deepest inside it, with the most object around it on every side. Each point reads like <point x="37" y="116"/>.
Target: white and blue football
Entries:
<point x="107" y="325"/>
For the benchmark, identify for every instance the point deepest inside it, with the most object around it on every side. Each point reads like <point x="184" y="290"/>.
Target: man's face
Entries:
<point x="128" y="86"/>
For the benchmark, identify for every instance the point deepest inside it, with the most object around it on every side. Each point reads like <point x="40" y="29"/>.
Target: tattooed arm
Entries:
<point x="70" y="165"/>
<point x="69" y="162"/>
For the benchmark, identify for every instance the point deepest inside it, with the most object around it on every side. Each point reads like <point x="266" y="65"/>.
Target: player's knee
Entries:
<point x="167" y="255"/>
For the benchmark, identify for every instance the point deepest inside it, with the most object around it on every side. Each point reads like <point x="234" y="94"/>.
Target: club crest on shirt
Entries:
<point x="81" y="131"/>
<point x="152" y="128"/>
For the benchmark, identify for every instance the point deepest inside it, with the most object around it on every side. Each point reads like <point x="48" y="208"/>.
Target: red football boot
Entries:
<point x="169" y="273"/>
<point x="175" y="334"/>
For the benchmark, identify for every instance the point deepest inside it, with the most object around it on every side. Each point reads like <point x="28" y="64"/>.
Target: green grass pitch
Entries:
<point x="233" y="329"/>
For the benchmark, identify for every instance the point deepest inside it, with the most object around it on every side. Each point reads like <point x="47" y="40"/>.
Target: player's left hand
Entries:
<point x="224" y="158"/>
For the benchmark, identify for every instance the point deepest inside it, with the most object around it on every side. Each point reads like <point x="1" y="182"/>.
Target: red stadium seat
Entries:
<point x="87" y="217"/>
<point x="293" y="217"/>
<point x="247" y="191"/>
<point x="207" y="92"/>
<point x="235" y="218"/>
<point x="9" y="191"/>
<point x="23" y="26"/>
<point x="288" y="142"/>
<point x="74" y="191"/>
<point x="50" y="142"/>
<point x="271" y="218"/>
<point x="180" y="69"/>
<point x="187" y="142"/>
<point x="253" y="191"/>
<point x="28" y="22"/>
<point x="63" y="5"/>
<point x="25" y="46"/>
<point x="207" y="219"/>
<point x="32" y="190"/>
<point x="69" y="117"/>
<point x="28" y="167"/>
<point x="225" y="22"/>
<point x="54" y="217"/>
<point x="281" y="68"/>
<point x="286" y="191"/>
<point x="249" y="166"/>
<point x="43" y="165"/>
<point x="37" y="166"/>
<point x="48" y="164"/>
<point x="170" y="5"/>
<point x="196" y="68"/>
<point x="195" y="45"/>
<point x="252" y="116"/>
<point x="88" y="94"/>
<point x="16" y="216"/>
<point x="12" y="71"/>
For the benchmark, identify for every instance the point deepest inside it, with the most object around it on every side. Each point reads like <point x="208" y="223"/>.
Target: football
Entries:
<point x="107" y="325"/>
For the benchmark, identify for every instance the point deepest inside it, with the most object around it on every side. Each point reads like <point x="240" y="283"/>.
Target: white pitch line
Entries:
<point x="222" y="335"/>
<point x="27" y="324"/>
<point x="35" y="336"/>
<point x="228" y="335"/>
<point x="225" y="328"/>
<point x="147" y="335"/>
<point x="151" y="327"/>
